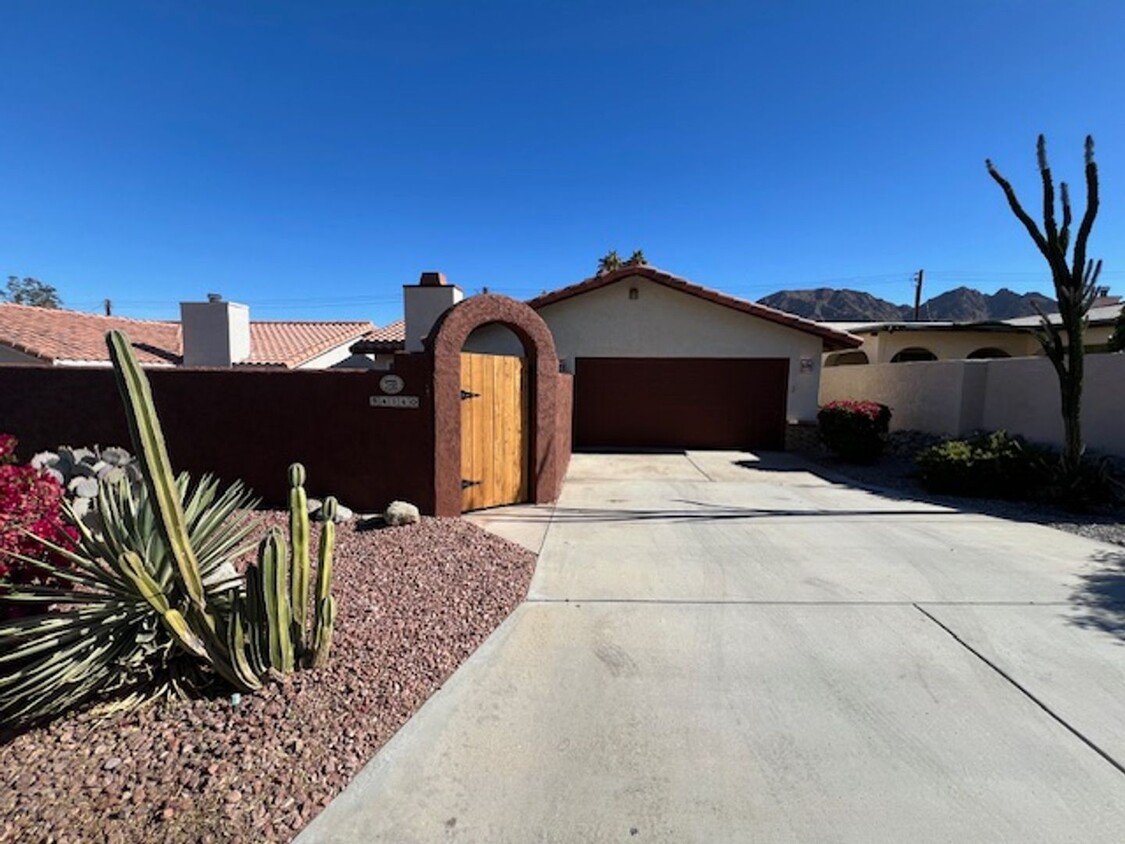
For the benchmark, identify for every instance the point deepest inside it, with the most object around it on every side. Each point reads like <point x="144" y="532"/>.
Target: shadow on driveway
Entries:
<point x="1100" y="600"/>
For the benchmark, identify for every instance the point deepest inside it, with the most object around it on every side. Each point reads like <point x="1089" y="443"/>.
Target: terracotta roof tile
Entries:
<point x="832" y="338"/>
<point x="292" y="343"/>
<point x="56" y="335"/>
<point x="389" y="338"/>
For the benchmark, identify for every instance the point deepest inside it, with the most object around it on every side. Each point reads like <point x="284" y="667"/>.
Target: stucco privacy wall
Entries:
<point x="1019" y="395"/>
<point x="662" y="322"/>
<point x="247" y="424"/>
<point x="946" y="345"/>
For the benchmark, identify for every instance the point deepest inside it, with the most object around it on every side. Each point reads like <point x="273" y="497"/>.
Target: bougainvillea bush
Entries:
<point x="30" y="503"/>
<point x="855" y="431"/>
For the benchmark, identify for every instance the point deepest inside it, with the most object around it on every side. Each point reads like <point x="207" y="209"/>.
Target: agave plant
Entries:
<point x="156" y="602"/>
<point x="119" y="632"/>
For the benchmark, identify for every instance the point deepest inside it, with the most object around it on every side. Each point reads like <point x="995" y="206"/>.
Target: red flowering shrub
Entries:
<point x="855" y="430"/>
<point x="30" y="502"/>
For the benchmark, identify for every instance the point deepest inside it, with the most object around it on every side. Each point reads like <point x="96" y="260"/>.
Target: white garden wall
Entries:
<point x="1019" y="395"/>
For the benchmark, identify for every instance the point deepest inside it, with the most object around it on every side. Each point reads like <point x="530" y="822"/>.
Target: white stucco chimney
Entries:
<point x="215" y="332"/>
<point x="423" y="303"/>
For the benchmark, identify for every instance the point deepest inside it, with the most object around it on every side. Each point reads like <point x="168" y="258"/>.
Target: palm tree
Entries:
<point x="609" y="262"/>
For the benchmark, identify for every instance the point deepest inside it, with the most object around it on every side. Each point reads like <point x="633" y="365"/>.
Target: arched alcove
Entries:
<point x="854" y="357"/>
<point x="913" y="355"/>
<point x="987" y="353"/>
<point x="446" y="343"/>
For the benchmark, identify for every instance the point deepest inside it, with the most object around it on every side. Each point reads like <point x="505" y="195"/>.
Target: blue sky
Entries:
<point x="310" y="158"/>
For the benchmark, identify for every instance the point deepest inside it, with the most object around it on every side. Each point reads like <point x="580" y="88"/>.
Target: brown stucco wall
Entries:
<point x="445" y="344"/>
<point x="247" y="424"/>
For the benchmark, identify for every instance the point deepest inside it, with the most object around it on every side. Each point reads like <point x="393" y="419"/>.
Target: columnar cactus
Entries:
<point x="299" y="554"/>
<point x="325" y="616"/>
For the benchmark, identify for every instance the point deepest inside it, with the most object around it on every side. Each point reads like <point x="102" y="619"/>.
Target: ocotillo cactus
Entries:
<point x="325" y="619"/>
<point x="299" y="556"/>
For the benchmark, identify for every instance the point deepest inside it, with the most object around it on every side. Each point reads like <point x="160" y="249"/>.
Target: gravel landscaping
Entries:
<point x="893" y="475"/>
<point x="414" y="602"/>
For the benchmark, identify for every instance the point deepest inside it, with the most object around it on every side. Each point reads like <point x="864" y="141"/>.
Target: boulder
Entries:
<point x="401" y="513"/>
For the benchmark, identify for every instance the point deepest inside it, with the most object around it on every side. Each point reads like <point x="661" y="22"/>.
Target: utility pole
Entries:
<point x="108" y="307"/>
<point x="918" y="294"/>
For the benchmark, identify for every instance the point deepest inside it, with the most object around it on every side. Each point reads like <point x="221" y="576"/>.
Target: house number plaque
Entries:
<point x="394" y="401"/>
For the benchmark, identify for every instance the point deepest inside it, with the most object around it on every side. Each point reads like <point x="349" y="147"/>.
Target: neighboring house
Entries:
<point x="215" y="333"/>
<point x="661" y="362"/>
<point x="909" y="342"/>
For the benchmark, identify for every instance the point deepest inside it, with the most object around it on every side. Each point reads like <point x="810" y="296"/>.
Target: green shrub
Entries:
<point x="994" y="465"/>
<point x="856" y="431"/>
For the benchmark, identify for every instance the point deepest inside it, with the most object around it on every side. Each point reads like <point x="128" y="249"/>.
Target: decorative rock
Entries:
<point x="401" y="513"/>
<point x="343" y="514"/>
<point x="82" y="487"/>
<point x="314" y="505"/>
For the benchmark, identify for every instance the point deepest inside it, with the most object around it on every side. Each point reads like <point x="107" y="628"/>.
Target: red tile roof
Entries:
<point x="389" y="338"/>
<point x="833" y="338"/>
<point x="54" y="335"/>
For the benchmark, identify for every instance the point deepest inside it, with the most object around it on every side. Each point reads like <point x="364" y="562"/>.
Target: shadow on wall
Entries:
<point x="1100" y="600"/>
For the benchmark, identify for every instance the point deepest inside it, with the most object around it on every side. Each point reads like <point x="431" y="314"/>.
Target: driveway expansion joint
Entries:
<point x="1025" y="691"/>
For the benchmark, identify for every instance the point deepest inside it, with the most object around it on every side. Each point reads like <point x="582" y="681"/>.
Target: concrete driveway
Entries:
<point x="718" y="647"/>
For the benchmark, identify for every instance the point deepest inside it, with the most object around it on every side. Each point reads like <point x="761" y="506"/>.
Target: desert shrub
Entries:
<point x="31" y="505"/>
<point x="856" y="431"/>
<point x="988" y="465"/>
<point x="1094" y="487"/>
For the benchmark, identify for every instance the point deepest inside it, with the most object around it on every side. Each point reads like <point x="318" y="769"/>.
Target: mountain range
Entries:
<point x="961" y="305"/>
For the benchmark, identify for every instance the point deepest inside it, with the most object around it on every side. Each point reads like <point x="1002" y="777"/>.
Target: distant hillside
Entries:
<point x="961" y="305"/>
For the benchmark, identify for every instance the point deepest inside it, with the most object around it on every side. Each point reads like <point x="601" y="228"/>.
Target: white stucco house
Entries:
<point x="659" y="361"/>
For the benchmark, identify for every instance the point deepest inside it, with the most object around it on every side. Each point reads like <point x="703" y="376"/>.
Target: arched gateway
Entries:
<point x="495" y="417"/>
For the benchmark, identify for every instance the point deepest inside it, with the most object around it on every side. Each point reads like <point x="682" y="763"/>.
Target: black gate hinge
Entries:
<point x="465" y="484"/>
<point x="465" y="394"/>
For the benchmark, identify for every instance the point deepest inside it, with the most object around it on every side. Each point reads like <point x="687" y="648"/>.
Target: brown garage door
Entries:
<point x="680" y="402"/>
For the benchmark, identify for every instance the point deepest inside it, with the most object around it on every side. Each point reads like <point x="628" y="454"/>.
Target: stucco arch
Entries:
<point x="913" y="354"/>
<point x="444" y="344"/>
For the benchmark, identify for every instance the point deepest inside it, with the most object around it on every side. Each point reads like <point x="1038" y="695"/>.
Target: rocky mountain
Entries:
<point x="961" y="305"/>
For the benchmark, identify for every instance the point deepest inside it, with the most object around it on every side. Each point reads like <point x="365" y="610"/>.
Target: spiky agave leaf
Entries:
<point x="121" y="631"/>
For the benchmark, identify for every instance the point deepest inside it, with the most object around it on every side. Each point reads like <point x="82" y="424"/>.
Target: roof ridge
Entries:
<point x="718" y="297"/>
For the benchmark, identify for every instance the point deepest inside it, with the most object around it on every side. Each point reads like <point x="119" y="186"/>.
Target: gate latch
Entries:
<point x="466" y="484"/>
<point x="465" y="394"/>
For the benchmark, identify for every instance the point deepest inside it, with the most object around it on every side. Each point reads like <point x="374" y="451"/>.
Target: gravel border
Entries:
<point x="414" y="602"/>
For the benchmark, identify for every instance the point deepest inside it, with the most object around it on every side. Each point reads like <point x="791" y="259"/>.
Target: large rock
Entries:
<point x="401" y="513"/>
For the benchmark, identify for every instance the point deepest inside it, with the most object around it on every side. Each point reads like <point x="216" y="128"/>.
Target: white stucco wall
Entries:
<point x="946" y="345"/>
<point x="1019" y="395"/>
<point x="662" y="322"/>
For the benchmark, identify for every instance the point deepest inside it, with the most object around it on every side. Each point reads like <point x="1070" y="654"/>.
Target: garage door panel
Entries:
<point x="680" y="402"/>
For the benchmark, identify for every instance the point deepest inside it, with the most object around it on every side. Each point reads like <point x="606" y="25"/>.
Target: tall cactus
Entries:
<point x="148" y="441"/>
<point x="299" y="555"/>
<point x="1076" y="288"/>
<point x="325" y="609"/>
<point x="275" y="584"/>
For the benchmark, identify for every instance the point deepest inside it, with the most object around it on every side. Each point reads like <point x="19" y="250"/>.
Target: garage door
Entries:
<point x="680" y="402"/>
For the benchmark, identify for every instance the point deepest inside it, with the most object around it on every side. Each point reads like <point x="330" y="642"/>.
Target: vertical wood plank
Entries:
<point x="494" y="430"/>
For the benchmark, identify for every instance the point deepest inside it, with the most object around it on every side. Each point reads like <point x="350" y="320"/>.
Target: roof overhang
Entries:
<point x="833" y="339"/>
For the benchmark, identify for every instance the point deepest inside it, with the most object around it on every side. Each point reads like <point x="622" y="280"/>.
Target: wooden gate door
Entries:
<point x="494" y="431"/>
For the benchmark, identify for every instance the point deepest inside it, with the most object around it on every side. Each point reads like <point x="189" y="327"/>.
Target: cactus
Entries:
<point x="299" y="555"/>
<point x="148" y="440"/>
<point x="275" y="587"/>
<point x="325" y="617"/>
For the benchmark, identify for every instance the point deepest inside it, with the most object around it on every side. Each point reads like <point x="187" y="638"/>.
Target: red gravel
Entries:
<point x="413" y="603"/>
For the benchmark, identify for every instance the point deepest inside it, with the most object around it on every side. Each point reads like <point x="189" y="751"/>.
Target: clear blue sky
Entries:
<point x="308" y="158"/>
